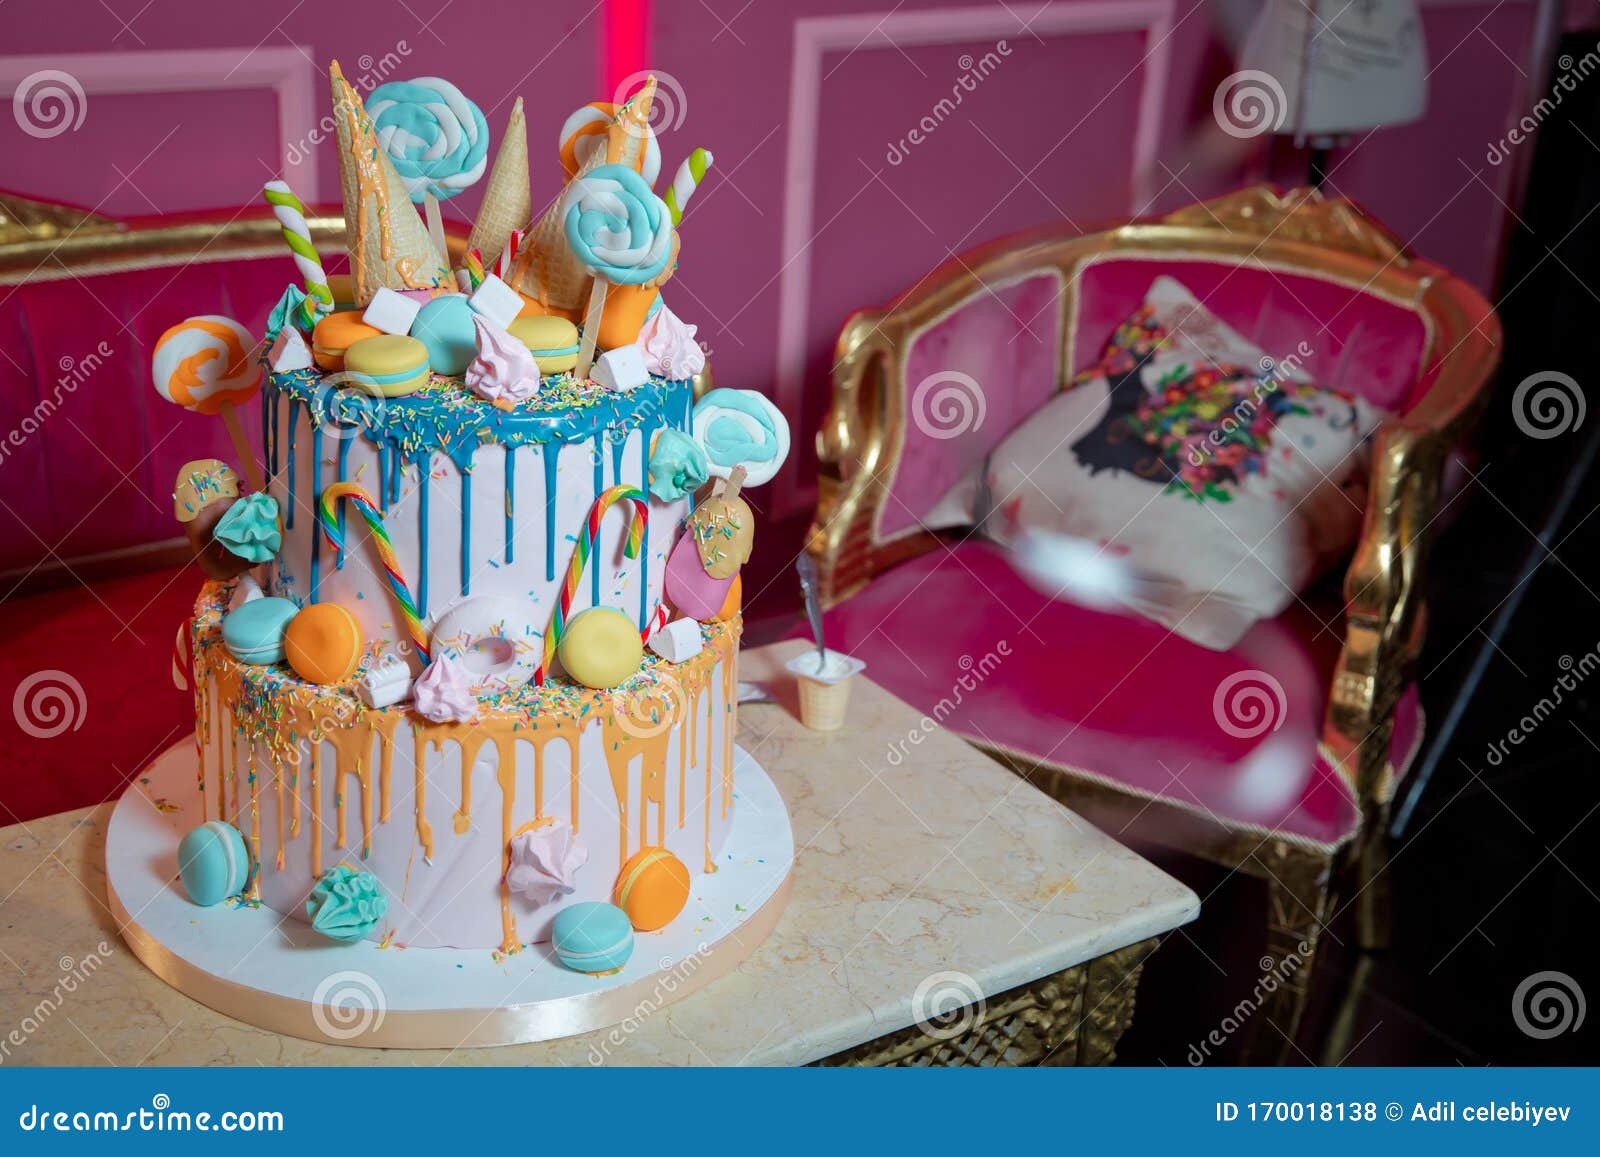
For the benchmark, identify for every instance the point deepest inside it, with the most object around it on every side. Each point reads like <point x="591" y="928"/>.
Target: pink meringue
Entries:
<point x="545" y="863"/>
<point x="504" y="371"/>
<point x="670" y="350"/>
<point x="443" y="693"/>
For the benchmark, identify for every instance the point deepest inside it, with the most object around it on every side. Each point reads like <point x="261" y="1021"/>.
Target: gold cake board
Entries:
<point x="268" y="970"/>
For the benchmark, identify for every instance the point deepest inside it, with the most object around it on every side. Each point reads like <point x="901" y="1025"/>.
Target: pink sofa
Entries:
<point x="1113" y="714"/>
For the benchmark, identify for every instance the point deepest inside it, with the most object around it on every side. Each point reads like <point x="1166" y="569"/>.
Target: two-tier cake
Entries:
<point x="464" y="673"/>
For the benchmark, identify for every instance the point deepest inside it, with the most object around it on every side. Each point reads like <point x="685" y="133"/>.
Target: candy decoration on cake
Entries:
<point x="507" y="199"/>
<point x="207" y="365"/>
<point x="200" y="483"/>
<point x="552" y="340"/>
<point x="742" y="428"/>
<point x="546" y="269"/>
<point x="602" y="648"/>
<point x="245" y="590"/>
<point x="503" y="373"/>
<point x="291" y="215"/>
<point x="473" y="261"/>
<point x="214" y="863"/>
<point x="723" y="528"/>
<point x="499" y="632"/>
<point x="445" y="327"/>
<point x="623" y="235"/>
<point x="582" y="549"/>
<point x="250" y="529"/>
<point x="205" y="495"/>
<point x="389" y="245"/>
<point x="328" y="517"/>
<point x="584" y="135"/>
<point x="678" y="466"/>
<point x="508" y="253"/>
<point x="336" y="333"/>
<point x="253" y="633"/>
<point x="437" y="139"/>
<point x="693" y="592"/>
<point x="323" y="644"/>
<point x="180" y="657"/>
<point x="346" y="904"/>
<point x="544" y="861"/>
<point x="443" y="693"/>
<point x="592" y="937"/>
<point x="670" y="350"/>
<point x="685" y="181"/>
<point x="291" y="313"/>
<point x="385" y="684"/>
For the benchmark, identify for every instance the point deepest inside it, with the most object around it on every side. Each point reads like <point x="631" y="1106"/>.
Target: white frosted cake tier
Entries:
<point x="476" y="500"/>
<point x="314" y="779"/>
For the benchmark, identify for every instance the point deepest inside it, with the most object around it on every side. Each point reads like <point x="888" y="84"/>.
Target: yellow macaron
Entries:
<point x="652" y="888"/>
<point x="323" y="644"/>
<point x="335" y="334"/>
<point x="552" y="340"/>
<point x="601" y="648"/>
<point x="388" y="365"/>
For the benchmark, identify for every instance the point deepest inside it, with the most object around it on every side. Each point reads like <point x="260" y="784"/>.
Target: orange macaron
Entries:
<point x="335" y="334"/>
<point x="323" y="644"/>
<point x="652" y="888"/>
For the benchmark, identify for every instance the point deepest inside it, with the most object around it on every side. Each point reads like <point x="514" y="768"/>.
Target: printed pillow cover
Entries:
<point x="1219" y="474"/>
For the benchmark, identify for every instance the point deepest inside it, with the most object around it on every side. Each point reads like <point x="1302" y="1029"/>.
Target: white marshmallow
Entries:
<point x="677" y="641"/>
<point x="621" y="369"/>
<point x="392" y="312"/>
<point x="246" y="590"/>
<point x="497" y="301"/>
<point x="385" y="685"/>
<point x="289" y="351"/>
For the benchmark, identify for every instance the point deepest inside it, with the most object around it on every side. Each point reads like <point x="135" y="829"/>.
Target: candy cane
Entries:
<point x="291" y="215"/>
<point x="502" y="264"/>
<point x="328" y="517"/>
<point x="586" y="545"/>
<point x="685" y="181"/>
<point x="474" y="263"/>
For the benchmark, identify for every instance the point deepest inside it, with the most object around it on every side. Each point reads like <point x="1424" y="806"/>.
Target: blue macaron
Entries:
<point x="253" y="633"/>
<point x="592" y="937"/>
<point x="444" y="326"/>
<point x="214" y="862"/>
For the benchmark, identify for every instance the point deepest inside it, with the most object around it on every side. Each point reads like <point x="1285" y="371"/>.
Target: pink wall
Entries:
<point x="1091" y="112"/>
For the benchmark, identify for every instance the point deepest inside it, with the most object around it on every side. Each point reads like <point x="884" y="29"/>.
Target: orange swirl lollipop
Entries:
<point x="207" y="365"/>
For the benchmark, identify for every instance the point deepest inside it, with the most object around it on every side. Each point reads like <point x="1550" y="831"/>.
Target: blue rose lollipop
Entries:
<point x="437" y="138"/>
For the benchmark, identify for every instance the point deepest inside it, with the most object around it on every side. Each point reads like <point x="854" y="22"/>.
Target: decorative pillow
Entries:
<point x="1214" y="471"/>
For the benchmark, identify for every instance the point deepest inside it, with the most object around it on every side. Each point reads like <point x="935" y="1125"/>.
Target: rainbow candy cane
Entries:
<point x="328" y="517"/>
<point x="586" y="545"/>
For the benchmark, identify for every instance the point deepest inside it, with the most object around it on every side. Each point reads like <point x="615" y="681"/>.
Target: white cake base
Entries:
<point x="276" y="973"/>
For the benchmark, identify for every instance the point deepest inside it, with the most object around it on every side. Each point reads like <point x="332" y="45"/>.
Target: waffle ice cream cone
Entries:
<point x="546" y="268"/>
<point x="507" y="202"/>
<point x="388" y="243"/>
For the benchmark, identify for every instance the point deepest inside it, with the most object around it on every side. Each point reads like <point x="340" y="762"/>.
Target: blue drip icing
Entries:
<point x="294" y="420"/>
<point x="644" y="547"/>
<point x="599" y="488"/>
<point x="383" y="479"/>
<point x="552" y="456"/>
<point x="316" y="496"/>
<point x="511" y="498"/>
<point x="466" y="531"/>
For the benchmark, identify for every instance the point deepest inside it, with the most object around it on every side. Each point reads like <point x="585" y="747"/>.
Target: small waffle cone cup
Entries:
<point x="508" y="201"/>
<point x="389" y="244"/>
<point x="822" y="705"/>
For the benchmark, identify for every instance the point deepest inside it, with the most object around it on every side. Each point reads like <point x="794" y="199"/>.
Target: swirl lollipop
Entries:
<point x="436" y="137"/>
<point x="585" y="130"/>
<point x="207" y="365"/>
<point x="621" y="232"/>
<point x="741" y="428"/>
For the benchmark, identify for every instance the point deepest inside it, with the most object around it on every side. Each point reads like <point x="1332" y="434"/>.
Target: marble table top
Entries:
<point x="913" y="859"/>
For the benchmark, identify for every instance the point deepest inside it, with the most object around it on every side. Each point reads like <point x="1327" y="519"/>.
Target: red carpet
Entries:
<point x="86" y="694"/>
